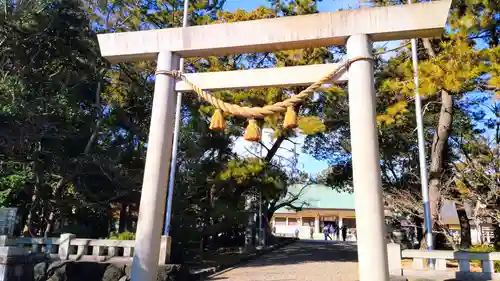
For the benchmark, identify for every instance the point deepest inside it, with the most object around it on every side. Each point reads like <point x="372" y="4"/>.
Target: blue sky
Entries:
<point x="306" y="162"/>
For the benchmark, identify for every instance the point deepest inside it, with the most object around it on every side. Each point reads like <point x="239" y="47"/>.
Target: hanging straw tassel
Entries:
<point x="217" y="123"/>
<point x="290" y="121"/>
<point x="252" y="133"/>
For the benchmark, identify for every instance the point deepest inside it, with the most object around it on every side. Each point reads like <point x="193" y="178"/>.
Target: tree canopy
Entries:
<point x="74" y="128"/>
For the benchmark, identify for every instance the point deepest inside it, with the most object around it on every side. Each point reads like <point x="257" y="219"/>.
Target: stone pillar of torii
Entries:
<point x="357" y="29"/>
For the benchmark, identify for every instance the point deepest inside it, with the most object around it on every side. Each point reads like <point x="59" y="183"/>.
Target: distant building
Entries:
<point x="320" y="205"/>
<point x="482" y="233"/>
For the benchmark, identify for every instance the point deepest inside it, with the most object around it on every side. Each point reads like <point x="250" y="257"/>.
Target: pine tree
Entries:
<point x="464" y="60"/>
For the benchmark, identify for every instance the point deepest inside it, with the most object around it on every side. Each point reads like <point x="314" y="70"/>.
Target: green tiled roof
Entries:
<point x="318" y="196"/>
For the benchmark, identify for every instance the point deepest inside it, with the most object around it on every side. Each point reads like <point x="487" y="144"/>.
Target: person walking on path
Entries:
<point x="326" y="232"/>
<point x="344" y="232"/>
<point x="311" y="232"/>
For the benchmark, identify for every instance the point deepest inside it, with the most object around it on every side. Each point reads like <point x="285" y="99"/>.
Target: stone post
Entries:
<point x="165" y="249"/>
<point x="15" y="264"/>
<point x="316" y="224"/>
<point x="156" y="172"/>
<point x="4" y="240"/>
<point x="372" y="248"/>
<point x="64" y="245"/>
<point x="394" y="259"/>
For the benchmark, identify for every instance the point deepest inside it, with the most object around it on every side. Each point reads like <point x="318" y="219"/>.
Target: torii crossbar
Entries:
<point x="357" y="29"/>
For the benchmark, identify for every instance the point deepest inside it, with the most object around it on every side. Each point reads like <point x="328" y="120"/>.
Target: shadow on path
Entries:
<point x="308" y="251"/>
<point x="304" y="260"/>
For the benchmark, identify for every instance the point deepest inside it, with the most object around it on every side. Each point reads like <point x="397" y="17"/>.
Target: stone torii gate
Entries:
<point x="357" y="29"/>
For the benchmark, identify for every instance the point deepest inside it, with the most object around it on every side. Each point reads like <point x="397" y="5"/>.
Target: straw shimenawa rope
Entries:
<point x="252" y="113"/>
<point x="261" y="112"/>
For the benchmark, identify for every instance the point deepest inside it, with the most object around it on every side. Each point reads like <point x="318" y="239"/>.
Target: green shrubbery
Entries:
<point x="482" y="248"/>
<point x="122" y="236"/>
<point x="485" y="249"/>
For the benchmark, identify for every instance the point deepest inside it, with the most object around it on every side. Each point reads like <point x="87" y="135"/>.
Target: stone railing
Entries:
<point x="441" y="260"/>
<point x="284" y="234"/>
<point x="68" y="247"/>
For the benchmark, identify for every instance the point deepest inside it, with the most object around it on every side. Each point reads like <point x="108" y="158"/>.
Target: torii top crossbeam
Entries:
<point x="422" y="20"/>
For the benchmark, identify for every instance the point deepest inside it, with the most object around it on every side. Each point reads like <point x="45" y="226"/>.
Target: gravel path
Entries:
<point x="301" y="261"/>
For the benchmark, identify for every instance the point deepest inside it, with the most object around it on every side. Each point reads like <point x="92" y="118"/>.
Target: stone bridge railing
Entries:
<point x="284" y="234"/>
<point x="441" y="259"/>
<point x="68" y="247"/>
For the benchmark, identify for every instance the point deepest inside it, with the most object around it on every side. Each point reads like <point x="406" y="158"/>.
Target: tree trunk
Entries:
<point x="419" y="222"/>
<point x="465" y="234"/>
<point x="479" y="231"/>
<point x="249" y="211"/>
<point x="437" y="152"/>
<point x="266" y="225"/>
<point x="122" y="225"/>
<point x="57" y="196"/>
<point x="50" y="223"/>
<point x="448" y="237"/>
<point x="29" y="228"/>
<point x="438" y="146"/>
<point x="202" y="248"/>
<point x="58" y="190"/>
<point x="131" y="219"/>
<point x="250" y="200"/>
<point x="497" y="237"/>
